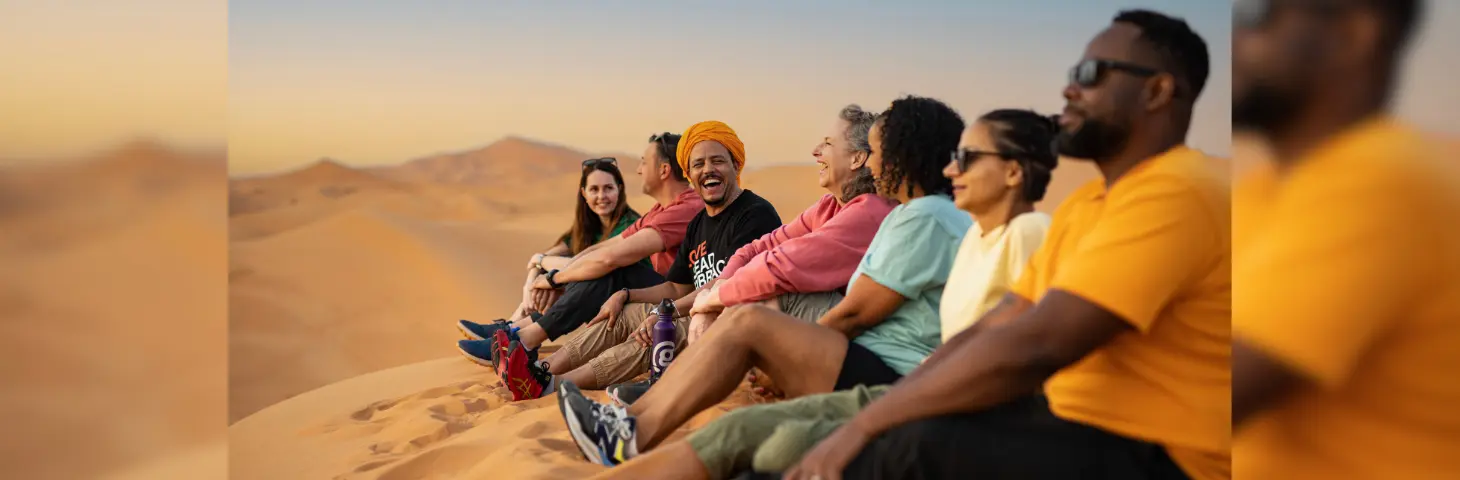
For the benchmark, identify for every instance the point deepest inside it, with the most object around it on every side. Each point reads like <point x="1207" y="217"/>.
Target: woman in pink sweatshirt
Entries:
<point x="802" y="268"/>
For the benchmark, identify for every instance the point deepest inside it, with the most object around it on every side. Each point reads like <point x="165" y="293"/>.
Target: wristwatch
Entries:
<point x="550" y="281"/>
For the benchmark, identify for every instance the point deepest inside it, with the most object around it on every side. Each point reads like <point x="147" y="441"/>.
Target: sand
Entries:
<point x="112" y="293"/>
<point x="345" y="284"/>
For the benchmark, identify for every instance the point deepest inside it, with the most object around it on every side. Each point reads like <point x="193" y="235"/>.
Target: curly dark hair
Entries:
<point x="1028" y="138"/>
<point x="918" y="134"/>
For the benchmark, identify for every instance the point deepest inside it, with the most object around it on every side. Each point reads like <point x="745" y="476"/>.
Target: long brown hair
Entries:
<point x="587" y="226"/>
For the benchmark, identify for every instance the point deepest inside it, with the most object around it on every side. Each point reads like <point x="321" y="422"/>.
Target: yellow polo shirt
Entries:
<point x="1154" y="249"/>
<point x="1347" y="269"/>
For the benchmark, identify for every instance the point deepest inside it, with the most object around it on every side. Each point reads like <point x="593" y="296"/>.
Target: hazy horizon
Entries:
<point x="282" y="84"/>
<point x="374" y="83"/>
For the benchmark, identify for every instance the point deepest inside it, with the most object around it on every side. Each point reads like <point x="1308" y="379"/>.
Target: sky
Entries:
<point x="370" y="82"/>
<point x="284" y="83"/>
<point x="81" y="75"/>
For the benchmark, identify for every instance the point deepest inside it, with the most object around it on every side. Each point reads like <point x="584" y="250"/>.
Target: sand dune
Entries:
<point x="112" y="295"/>
<point x="359" y="291"/>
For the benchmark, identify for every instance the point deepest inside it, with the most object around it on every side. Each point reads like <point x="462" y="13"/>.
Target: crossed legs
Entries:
<point x="804" y="358"/>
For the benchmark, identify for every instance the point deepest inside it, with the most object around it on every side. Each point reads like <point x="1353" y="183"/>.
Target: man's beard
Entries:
<point x="1094" y="140"/>
<point x="1263" y="109"/>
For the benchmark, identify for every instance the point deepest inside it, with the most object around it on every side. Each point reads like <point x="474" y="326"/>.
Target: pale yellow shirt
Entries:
<point x="986" y="265"/>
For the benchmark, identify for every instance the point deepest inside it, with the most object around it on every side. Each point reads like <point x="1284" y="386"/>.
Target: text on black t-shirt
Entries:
<point x="709" y="241"/>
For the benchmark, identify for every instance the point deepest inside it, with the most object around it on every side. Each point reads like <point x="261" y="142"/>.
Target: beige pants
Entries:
<point x="615" y="357"/>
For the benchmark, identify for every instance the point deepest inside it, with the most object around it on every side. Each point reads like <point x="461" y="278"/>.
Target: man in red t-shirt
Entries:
<point x="590" y="278"/>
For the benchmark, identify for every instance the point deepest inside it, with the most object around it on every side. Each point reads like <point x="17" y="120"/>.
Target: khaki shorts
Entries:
<point x="615" y="357"/>
<point x="611" y="352"/>
<point x="773" y="437"/>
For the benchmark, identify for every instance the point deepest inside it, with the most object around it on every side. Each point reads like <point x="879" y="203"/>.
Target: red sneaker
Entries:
<point x="523" y="376"/>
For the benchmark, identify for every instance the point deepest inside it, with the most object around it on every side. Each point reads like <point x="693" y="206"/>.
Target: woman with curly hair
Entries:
<point x="885" y="326"/>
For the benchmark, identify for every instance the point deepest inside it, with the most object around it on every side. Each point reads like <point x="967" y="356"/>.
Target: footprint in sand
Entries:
<point x="365" y="414"/>
<point x="461" y="407"/>
<point x="536" y="429"/>
<point x="444" y="462"/>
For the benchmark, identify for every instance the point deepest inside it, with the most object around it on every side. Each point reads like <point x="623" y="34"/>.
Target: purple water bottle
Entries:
<point x="663" y="349"/>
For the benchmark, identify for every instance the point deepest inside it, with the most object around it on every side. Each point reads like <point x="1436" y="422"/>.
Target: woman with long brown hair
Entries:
<point x="602" y="211"/>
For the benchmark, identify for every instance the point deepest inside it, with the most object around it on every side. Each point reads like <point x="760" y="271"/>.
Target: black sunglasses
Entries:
<point x="1091" y="72"/>
<point x="964" y="158"/>
<point x="661" y="138"/>
<point x="594" y="162"/>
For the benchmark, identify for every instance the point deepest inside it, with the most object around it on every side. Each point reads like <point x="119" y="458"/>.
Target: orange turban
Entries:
<point x="711" y="130"/>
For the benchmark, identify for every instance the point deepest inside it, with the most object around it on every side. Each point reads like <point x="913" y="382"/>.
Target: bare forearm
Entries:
<point x="555" y="263"/>
<point x="686" y="300"/>
<point x="584" y="268"/>
<point x="848" y="321"/>
<point x="992" y="367"/>
<point x="654" y="294"/>
<point x="559" y="250"/>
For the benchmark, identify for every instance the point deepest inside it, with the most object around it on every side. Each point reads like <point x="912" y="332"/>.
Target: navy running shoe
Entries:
<point x="479" y="351"/>
<point x="481" y="331"/>
<point x="606" y="434"/>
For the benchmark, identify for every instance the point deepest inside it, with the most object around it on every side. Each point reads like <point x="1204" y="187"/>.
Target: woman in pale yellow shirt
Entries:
<point x="998" y="174"/>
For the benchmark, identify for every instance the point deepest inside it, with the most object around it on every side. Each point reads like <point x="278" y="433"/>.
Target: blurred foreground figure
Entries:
<point x="1346" y="304"/>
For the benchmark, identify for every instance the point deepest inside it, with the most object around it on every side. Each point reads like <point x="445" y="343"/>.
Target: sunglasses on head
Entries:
<point x="965" y="158"/>
<point x="593" y="162"/>
<point x="1091" y="72"/>
<point x="661" y="138"/>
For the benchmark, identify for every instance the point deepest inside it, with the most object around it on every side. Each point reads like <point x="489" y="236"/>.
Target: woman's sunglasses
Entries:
<point x="962" y="159"/>
<point x="594" y="162"/>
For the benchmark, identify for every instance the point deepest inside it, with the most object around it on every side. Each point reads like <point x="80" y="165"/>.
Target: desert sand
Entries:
<point x="113" y="297"/>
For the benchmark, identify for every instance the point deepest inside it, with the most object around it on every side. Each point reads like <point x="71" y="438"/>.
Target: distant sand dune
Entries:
<point x="112" y="293"/>
<point x="360" y="291"/>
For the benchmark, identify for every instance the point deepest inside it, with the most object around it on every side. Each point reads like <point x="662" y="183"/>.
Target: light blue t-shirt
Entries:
<point x="912" y="254"/>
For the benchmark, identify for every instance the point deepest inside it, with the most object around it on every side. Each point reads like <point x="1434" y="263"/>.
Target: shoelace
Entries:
<point x="613" y="419"/>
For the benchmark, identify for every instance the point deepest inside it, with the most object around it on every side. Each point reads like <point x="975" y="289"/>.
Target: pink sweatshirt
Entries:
<point x="816" y="252"/>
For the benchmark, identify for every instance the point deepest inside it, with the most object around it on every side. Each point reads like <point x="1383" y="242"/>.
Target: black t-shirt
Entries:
<point x="709" y="242"/>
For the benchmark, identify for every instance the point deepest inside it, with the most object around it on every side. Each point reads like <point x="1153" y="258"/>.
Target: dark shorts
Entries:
<point x="1022" y="440"/>
<point x="862" y="367"/>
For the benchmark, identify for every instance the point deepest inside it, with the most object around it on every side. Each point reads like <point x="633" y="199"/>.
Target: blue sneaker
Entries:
<point x="481" y="331"/>
<point x="479" y="351"/>
<point x="606" y="434"/>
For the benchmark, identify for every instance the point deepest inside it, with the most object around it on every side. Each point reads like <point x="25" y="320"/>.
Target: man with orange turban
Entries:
<point x="714" y="131"/>
<point x="711" y="157"/>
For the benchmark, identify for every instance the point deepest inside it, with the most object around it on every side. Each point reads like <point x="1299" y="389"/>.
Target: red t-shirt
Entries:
<point x="670" y="221"/>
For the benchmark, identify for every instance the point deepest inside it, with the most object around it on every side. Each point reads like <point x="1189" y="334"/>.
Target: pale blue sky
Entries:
<point x="384" y="81"/>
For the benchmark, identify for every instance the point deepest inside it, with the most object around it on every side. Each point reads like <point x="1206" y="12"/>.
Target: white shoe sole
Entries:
<point x="585" y="444"/>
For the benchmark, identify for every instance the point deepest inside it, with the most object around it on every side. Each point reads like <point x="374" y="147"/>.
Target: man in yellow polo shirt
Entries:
<point x="1346" y="255"/>
<point x="1122" y="317"/>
